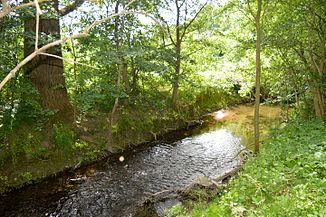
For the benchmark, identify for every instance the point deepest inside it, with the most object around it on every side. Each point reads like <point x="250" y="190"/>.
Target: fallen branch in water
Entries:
<point x="242" y="150"/>
<point x="222" y="178"/>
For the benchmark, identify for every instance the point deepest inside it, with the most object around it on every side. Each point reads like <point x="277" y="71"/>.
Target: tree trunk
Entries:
<point x="119" y="71"/>
<point x="47" y="73"/>
<point x="258" y="72"/>
<point x="319" y="103"/>
<point x="177" y="47"/>
<point x="319" y="92"/>
<point x="112" y="115"/>
<point x="126" y="81"/>
<point x="176" y="75"/>
<point x="125" y="77"/>
<point x="134" y="75"/>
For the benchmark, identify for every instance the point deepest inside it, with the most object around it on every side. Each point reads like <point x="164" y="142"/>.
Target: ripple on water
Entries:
<point x="161" y="167"/>
<point x="114" y="190"/>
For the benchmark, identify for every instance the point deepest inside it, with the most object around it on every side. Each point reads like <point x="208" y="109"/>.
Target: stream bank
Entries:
<point x="286" y="178"/>
<point x="27" y="160"/>
<point x="111" y="186"/>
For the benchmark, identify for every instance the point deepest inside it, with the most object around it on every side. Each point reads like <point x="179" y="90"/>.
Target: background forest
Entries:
<point x="133" y="70"/>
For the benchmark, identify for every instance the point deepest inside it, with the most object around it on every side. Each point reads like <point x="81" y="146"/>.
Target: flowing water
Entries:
<point x="114" y="187"/>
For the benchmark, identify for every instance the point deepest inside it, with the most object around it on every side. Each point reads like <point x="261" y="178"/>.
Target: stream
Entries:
<point x="115" y="187"/>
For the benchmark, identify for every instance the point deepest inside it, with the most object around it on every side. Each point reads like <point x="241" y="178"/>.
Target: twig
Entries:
<point x="250" y="10"/>
<point x="160" y="192"/>
<point x="68" y="60"/>
<point x="37" y="25"/>
<point x="245" y="149"/>
<point x="227" y="175"/>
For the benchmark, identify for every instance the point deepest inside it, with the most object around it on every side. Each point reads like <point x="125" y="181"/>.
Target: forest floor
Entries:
<point x="287" y="178"/>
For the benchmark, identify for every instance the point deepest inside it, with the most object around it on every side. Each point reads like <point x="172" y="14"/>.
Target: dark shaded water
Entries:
<point x="115" y="188"/>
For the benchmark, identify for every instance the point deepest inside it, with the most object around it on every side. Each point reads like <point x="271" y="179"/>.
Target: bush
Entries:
<point x="63" y="138"/>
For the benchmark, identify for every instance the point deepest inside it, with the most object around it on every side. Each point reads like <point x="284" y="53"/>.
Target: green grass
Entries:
<point x="287" y="178"/>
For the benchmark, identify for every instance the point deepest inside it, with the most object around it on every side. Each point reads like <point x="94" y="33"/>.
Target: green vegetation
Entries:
<point x="287" y="178"/>
<point x="156" y="67"/>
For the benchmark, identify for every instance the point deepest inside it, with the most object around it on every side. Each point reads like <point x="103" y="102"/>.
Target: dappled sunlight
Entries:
<point x="219" y="115"/>
<point x="240" y="119"/>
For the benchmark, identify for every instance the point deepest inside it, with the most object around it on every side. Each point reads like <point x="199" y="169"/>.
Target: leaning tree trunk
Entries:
<point x="47" y="73"/>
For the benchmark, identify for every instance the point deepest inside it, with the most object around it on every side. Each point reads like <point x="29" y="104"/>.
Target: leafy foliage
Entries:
<point x="217" y="69"/>
<point x="287" y="178"/>
<point x="63" y="138"/>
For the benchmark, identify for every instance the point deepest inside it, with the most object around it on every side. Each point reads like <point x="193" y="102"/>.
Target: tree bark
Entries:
<point x="47" y="73"/>
<point x="134" y="75"/>
<point x="258" y="73"/>
<point x="126" y="80"/>
<point x="176" y="75"/>
<point x="319" y="92"/>
<point x="319" y="103"/>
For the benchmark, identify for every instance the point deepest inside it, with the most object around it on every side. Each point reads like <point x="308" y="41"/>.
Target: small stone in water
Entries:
<point x="121" y="158"/>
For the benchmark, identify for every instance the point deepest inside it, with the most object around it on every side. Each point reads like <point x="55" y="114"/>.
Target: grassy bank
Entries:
<point x="287" y="178"/>
<point x="24" y="158"/>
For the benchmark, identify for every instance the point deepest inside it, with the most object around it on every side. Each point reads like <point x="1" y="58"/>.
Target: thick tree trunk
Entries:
<point x="319" y="103"/>
<point x="47" y="73"/>
<point x="258" y="72"/>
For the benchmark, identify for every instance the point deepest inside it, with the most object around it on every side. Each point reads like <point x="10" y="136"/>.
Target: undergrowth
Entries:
<point x="287" y="178"/>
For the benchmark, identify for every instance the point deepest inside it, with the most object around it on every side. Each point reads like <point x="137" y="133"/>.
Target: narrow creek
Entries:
<point x="114" y="188"/>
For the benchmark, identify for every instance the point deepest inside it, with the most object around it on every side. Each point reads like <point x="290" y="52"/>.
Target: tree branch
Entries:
<point x="244" y="13"/>
<point x="13" y="72"/>
<point x="69" y="8"/>
<point x="168" y="29"/>
<point x="38" y="13"/>
<point x="68" y="60"/>
<point x="6" y="9"/>
<point x="250" y="10"/>
<point x="82" y="34"/>
<point x="192" y="20"/>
